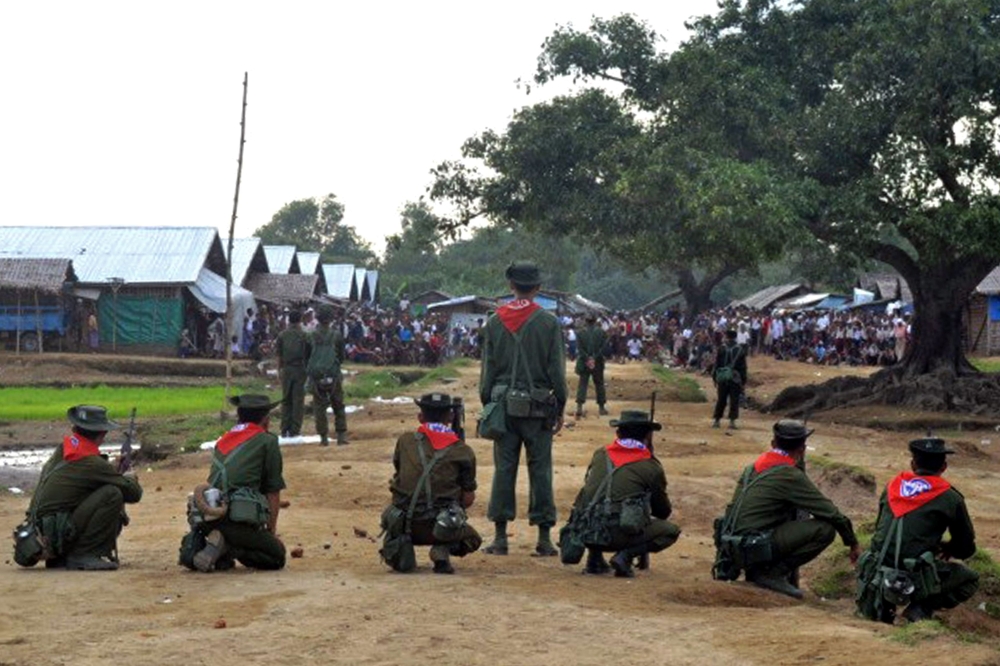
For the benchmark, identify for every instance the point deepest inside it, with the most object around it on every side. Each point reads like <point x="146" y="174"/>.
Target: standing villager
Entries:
<point x="729" y="376"/>
<point x="908" y="562"/>
<point x="433" y="484"/>
<point x="93" y="333"/>
<point x="326" y="356"/>
<point x="524" y="371"/>
<point x="247" y="478"/>
<point x="623" y="506"/>
<point x="78" y="507"/>
<point x="591" y="342"/>
<point x="292" y="351"/>
<point x="759" y="532"/>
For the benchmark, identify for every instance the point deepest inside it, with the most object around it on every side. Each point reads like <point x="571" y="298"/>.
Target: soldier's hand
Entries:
<point x="855" y="553"/>
<point x="558" y="426"/>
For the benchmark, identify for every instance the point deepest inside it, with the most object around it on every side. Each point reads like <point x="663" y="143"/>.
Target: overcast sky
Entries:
<point x="128" y="112"/>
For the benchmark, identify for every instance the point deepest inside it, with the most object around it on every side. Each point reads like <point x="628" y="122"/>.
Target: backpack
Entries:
<point x="736" y="553"/>
<point x="726" y="373"/>
<point x="323" y="361"/>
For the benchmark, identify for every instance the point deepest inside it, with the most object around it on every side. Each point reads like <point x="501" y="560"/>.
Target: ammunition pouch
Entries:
<point x="749" y="550"/>
<point x="30" y="545"/>
<point x="492" y="420"/>
<point x="393" y="520"/>
<point x="449" y="523"/>
<point x="535" y="403"/>
<point x="571" y="546"/>
<point x="725" y="566"/>
<point x="634" y="514"/>
<point x="397" y="552"/>
<point x="249" y="507"/>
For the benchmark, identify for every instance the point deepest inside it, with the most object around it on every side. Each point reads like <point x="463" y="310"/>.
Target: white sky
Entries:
<point x="128" y="112"/>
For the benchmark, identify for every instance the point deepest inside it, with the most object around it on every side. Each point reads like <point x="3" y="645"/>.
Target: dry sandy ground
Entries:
<point x="339" y="604"/>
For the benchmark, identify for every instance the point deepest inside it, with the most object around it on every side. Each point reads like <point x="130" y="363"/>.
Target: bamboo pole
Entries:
<point x="229" y="252"/>
<point x="38" y="323"/>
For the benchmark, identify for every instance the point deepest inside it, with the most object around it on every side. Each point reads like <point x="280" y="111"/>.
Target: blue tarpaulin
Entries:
<point x="994" y="308"/>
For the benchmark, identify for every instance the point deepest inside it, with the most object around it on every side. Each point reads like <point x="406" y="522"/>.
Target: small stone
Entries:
<point x="327" y="546"/>
<point x="345" y="467"/>
<point x="285" y="504"/>
<point x="367" y="616"/>
<point x="297" y="552"/>
<point x="159" y="488"/>
<point x="360" y="533"/>
<point x="220" y="623"/>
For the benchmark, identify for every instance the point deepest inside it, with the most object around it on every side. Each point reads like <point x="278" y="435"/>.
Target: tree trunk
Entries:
<point x="698" y="293"/>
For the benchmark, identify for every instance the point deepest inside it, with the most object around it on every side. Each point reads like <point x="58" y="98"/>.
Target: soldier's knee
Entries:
<point x="825" y="533"/>
<point x="110" y="496"/>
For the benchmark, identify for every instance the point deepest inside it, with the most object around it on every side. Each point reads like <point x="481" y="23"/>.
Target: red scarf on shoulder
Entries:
<point x="513" y="315"/>
<point x="908" y="492"/>
<point x="78" y="447"/>
<point x="772" y="458"/>
<point x="239" y="433"/>
<point x="439" y="435"/>
<point x="625" y="451"/>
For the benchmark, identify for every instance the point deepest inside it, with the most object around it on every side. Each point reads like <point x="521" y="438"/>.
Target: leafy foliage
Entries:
<point x="316" y="226"/>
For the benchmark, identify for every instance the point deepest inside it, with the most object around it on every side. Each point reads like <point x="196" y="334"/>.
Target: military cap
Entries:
<point x="253" y="401"/>
<point x="91" y="417"/>
<point x="791" y="429"/>
<point x="325" y="314"/>
<point x="435" y="401"/>
<point x="523" y="274"/>
<point x="635" y="417"/>
<point x="931" y="445"/>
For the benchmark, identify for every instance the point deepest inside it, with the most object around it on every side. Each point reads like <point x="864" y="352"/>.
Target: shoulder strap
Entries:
<point x="220" y="467"/>
<point x="32" y="513"/>
<point x="746" y="482"/>
<point x="424" y="482"/>
<point x="518" y="355"/>
<point x="605" y="487"/>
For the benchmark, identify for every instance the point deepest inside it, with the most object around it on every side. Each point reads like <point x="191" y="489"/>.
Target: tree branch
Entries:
<point x="899" y="259"/>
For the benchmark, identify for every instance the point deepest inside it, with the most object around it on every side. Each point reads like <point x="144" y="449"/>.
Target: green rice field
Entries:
<point x="25" y="403"/>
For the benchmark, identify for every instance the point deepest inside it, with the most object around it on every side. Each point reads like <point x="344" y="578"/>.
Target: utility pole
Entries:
<point x="229" y="250"/>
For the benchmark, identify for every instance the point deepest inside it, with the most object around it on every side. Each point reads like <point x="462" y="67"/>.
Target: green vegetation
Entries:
<point x="836" y="469"/>
<point x="834" y="576"/>
<point x="681" y="388"/>
<point x="917" y="632"/>
<point x="388" y="383"/>
<point x="23" y="403"/>
<point x="190" y="431"/>
<point x="990" y="365"/>
<point x="989" y="575"/>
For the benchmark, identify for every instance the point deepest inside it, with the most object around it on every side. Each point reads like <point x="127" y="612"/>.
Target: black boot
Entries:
<point x="596" y="564"/>
<point x="622" y="561"/>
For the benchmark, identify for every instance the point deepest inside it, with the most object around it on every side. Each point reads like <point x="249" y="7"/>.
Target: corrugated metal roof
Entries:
<point x="991" y="283"/>
<point x="340" y="281"/>
<point x="280" y="258"/>
<point x="768" y="296"/>
<point x="244" y="251"/>
<point x="139" y="255"/>
<point x="282" y="289"/>
<point x="308" y="262"/>
<point x="45" y="275"/>
<point x="371" y="279"/>
<point x="362" y="284"/>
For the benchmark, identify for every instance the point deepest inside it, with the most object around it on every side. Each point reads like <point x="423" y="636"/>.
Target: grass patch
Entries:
<point x="833" y="576"/>
<point x="388" y="383"/>
<point x="25" y="403"/>
<point x="681" y="388"/>
<point x="835" y="469"/>
<point x="918" y="632"/>
<point x="986" y="364"/>
<point x="189" y="432"/>
<point x="989" y="575"/>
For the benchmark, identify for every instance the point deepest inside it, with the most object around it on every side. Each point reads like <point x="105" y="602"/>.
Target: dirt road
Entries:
<point x="339" y="604"/>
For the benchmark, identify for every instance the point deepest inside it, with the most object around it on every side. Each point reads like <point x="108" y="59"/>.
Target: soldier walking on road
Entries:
<point x="591" y="342"/>
<point x="524" y="366"/>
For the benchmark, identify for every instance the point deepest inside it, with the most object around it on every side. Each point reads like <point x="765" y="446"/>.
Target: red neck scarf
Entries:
<point x="438" y="434"/>
<point x="908" y="492"/>
<point x="772" y="458"/>
<point x="238" y="434"/>
<point x="77" y="447"/>
<point x="625" y="451"/>
<point x="516" y="313"/>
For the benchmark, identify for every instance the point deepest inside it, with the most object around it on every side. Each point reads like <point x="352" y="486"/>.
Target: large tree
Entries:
<point x="316" y="226"/>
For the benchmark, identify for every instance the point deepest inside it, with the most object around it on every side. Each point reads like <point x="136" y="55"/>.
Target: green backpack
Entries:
<point x="323" y="361"/>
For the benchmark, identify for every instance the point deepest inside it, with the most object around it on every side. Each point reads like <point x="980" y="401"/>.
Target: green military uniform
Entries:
<point x="453" y="475"/>
<point x="87" y="498"/>
<point x="256" y="464"/>
<point x="292" y="349"/>
<point x="328" y="395"/>
<point x="771" y="505"/>
<point x="641" y="477"/>
<point x="543" y="354"/>
<point x="733" y="357"/>
<point x="590" y="342"/>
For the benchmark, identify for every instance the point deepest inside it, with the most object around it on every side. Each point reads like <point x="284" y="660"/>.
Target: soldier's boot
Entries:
<point x="579" y="411"/>
<point x="499" y="545"/>
<point x="342" y="438"/>
<point x="90" y="563"/>
<point x="215" y="547"/>
<point x="622" y="561"/>
<point x="544" y="546"/>
<point x="642" y="562"/>
<point x="776" y="580"/>
<point x="715" y="423"/>
<point x="916" y="612"/>
<point x="596" y="564"/>
<point x="324" y="440"/>
<point x="601" y="410"/>
<point x="732" y="424"/>
<point x="442" y="562"/>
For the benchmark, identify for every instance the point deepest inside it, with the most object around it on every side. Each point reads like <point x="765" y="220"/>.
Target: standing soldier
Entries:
<point x="325" y="359"/>
<point x="729" y="375"/>
<point x="292" y="350"/>
<point x="916" y="509"/>
<point x="591" y="342"/>
<point x="78" y="506"/>
<point x="524" y="368"/>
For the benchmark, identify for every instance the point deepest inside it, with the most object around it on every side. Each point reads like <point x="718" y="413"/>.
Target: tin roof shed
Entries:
<point x="340" y="281"/>
<point x="282" y="259"/>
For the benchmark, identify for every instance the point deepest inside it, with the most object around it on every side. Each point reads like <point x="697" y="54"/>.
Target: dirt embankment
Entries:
<point x="338" y="604"/>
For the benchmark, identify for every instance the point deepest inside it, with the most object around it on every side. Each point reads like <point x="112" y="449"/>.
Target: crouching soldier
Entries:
<point x="623" y="505"/>
<point x="434" y="483"/>
<point x="234" y="517"/>
<point x="760" y="533"/>
<point x="77" y="511"/>
<point x="908" y="561"/>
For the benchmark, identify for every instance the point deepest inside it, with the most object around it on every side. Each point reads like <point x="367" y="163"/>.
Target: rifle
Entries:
<point x="652" y="417"/>
<point x="458" y="417"/>
<point x="125" y="457"/>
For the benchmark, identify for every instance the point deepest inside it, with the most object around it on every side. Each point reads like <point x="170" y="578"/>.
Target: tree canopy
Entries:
<point x="316" y="226"/>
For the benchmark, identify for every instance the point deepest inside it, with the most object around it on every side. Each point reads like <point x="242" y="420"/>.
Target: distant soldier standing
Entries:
<point x="591" y="342"/>
<point x="326" y="356"/>
<point x="292" y="350"/>
<point x="534" y="389"/>
<point x="729" y="375"/>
